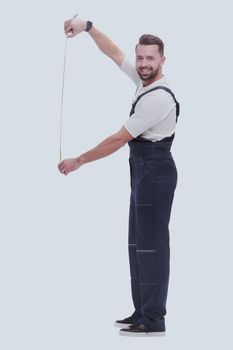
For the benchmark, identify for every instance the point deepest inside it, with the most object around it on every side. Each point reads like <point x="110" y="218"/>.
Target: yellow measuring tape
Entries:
<point x="62" y="94"/>
<point x="62" y="97"/>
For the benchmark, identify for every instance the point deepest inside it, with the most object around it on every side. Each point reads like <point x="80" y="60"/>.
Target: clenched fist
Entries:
<point x="74" y="26"/>
<point x="68" y="165"/>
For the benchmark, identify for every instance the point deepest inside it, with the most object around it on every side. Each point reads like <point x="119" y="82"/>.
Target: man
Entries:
<point x="149" y="132"/>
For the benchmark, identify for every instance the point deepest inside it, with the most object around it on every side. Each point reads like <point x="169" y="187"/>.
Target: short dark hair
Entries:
<point x="149" y="39"/>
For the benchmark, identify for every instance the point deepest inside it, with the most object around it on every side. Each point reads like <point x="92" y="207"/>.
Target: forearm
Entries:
<point x="110" y="145"/>
<point x="74" y="26"/>
<point x="104" y="43"/>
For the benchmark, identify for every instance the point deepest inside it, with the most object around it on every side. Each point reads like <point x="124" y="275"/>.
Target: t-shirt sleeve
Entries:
<point x="129" y="69"/>
<point x="150" y="110"/>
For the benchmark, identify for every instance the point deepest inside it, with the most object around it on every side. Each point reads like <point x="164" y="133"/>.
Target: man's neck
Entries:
<point x="149" y="82"/>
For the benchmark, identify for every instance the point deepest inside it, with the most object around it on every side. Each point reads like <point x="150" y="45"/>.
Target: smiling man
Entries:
<point x="149" y="132"/>
<point x="149" y="59"/>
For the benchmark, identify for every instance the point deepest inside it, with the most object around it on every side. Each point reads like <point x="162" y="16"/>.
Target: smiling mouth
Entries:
<point x="145" y="70"/>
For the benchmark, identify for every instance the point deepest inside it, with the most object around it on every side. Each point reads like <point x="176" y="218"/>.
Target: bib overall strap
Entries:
<point x="156" y="88"/>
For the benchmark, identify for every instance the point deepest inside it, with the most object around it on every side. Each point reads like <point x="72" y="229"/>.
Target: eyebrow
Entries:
<point x="139" y="56"/>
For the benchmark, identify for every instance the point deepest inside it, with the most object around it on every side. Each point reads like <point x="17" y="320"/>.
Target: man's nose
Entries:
<point x="144" y="62"/>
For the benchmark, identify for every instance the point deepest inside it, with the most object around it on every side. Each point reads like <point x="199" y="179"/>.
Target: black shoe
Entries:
<point x="140" y="330"/>
<point x="126" y="322"/>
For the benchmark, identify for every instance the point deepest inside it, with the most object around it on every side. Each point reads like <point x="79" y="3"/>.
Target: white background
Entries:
<point x="64" y="270"/>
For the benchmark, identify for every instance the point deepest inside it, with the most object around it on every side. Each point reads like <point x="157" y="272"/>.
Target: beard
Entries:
<point x="148" y="73"/>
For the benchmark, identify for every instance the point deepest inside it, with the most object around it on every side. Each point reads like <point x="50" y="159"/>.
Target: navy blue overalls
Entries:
<point x="153" y="179"/>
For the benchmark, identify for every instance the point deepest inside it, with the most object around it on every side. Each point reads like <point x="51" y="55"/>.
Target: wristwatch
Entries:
<point x="89" y="26"/>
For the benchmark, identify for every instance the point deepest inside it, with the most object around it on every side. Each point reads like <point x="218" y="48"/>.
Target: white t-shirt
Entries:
<point x="154" y="117"/>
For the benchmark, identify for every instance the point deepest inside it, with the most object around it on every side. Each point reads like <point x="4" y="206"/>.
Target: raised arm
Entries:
<point x="104" y="43"/>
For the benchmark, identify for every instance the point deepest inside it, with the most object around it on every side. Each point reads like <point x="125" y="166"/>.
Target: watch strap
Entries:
<point x="89" y="26"/>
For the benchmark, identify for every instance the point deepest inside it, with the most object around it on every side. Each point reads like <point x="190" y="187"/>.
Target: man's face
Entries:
<point x="148" y="62"/>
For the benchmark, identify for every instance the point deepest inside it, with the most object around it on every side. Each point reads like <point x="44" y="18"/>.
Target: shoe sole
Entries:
<point x="122" y="325"/>
<point x="138" y="334"/>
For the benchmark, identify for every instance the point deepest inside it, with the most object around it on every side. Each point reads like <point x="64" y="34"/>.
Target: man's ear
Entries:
<point x="163" y="61"/>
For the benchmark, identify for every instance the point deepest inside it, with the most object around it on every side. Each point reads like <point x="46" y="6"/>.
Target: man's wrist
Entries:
<point x="80" y="160"/>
